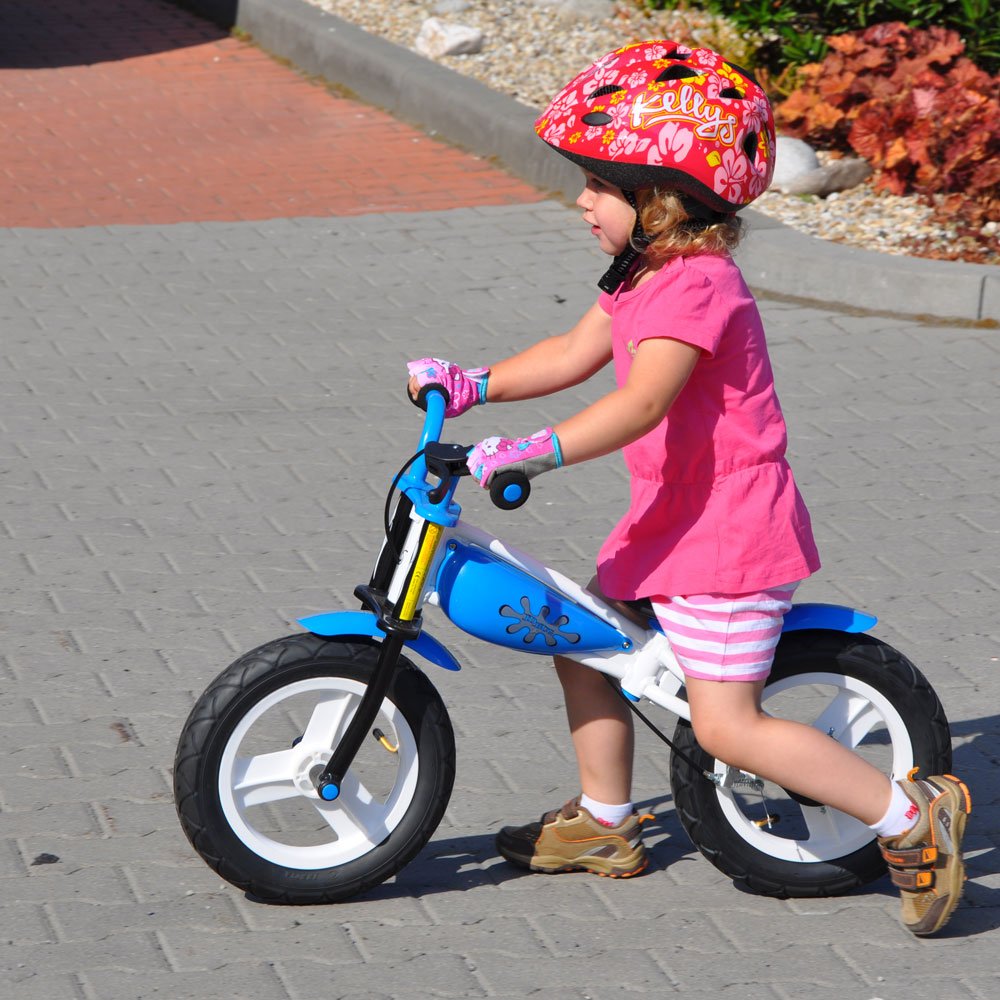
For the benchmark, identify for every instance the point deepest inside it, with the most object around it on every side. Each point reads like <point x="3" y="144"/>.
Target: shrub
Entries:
<point x="911" y="103"/>
<point x="796" y="32"/>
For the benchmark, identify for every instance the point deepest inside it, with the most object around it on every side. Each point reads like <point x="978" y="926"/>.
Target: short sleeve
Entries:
<point x="606" y="302"/>
<point x="687" y="306"/>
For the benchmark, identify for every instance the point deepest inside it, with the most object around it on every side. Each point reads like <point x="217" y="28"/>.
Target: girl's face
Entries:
<point x="610" y="216"/>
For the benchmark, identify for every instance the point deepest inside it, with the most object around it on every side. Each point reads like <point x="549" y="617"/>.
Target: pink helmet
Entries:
<point x="659" y="113"/>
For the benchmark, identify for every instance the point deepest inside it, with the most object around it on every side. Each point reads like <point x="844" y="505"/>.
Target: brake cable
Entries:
<point x="704" y="772"/>
<point x="393" y="551"/>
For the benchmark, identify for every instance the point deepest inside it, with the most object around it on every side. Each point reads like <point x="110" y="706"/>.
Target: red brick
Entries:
<point x="134" y="111"/>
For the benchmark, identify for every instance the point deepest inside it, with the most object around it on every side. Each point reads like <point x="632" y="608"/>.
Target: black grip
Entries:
<point x="509" y="490"/>
<point x="421" y="398"/>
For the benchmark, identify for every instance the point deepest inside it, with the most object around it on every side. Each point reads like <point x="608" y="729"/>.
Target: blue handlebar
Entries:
<point x="434" y="418"/>
<point x="508" y="490"/>
<point x="434" y="407"/>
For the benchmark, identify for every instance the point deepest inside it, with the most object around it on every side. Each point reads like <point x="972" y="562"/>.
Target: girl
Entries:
<point x="672" y="142"/>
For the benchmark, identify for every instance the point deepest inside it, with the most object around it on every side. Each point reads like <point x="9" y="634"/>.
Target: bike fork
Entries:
<point x="399" y="617"/>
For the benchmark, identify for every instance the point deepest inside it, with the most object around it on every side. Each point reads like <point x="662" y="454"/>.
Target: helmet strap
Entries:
<point x="620" y="267"/>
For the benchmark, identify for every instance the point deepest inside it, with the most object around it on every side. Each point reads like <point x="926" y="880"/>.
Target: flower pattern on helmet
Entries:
<point x="658" y="112"/>
<point x="673" y="144"/>
<point x="627" y="143"/>
<point x="731" y="177"/>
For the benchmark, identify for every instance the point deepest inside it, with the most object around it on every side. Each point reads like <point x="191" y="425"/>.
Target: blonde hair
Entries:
<point x="674" y="232"/>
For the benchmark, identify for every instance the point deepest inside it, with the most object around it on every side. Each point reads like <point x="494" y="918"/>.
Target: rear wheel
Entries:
<point x="254" y="744"/>
<point x="861" y="692"/>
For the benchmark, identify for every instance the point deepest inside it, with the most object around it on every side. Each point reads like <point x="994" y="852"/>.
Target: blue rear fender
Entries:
<point x="346" y="624"/>
<point x="835" y="617"/>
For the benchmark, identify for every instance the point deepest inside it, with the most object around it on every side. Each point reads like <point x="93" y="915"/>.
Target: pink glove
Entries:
<point x="532" y="455"/>
<point x="466" y="388"/>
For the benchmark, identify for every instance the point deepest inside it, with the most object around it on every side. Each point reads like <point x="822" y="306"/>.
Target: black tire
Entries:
<point x="268" y="832"/>
<point x="899" y="723"/>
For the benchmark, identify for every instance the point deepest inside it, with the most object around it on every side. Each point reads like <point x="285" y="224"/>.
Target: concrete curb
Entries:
<point x="774" y="258"/>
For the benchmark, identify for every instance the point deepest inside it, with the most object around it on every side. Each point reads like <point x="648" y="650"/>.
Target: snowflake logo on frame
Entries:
<point x="537" y="625"/>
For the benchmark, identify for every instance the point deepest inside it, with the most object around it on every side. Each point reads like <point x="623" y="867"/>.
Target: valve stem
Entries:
<point x="383" y="739"/>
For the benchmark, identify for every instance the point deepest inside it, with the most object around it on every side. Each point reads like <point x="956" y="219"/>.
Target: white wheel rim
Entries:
<point x="253" y="787"/>
<point x="849" y="715"/>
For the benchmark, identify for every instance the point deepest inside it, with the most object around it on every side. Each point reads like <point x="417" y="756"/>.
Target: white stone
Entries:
<point x="837" y="175"/>
<point x="792" y="158"/>
<point x="442" y="38"/>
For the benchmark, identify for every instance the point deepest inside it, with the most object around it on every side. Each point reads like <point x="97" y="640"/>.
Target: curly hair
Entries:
<point x="674" y="231"/>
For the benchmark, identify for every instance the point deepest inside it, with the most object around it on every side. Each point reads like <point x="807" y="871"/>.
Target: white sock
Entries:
<point x="603" y="813"/>
<point x="899" y="817"/>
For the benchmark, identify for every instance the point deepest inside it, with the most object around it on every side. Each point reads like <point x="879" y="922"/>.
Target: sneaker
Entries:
<point x="570" y="840"/>
<point x="925" y="863"/>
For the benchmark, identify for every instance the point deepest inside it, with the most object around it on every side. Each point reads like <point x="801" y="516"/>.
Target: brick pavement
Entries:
<point x="194" y="418"/>
<point x="137" y="112"/>
<point x="197" y="422"/>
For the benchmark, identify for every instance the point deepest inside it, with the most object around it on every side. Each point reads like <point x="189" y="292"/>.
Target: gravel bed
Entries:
<point x="532" y="48"/>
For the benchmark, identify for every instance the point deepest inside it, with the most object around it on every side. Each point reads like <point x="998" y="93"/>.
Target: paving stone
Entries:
<point x="198" y="425"/>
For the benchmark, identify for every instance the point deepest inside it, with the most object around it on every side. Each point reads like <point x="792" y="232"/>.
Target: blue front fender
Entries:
<point x="828" y="616"/>
<point x="364" y="623"/>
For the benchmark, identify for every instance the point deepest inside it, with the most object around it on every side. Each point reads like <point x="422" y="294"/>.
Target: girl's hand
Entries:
<point x="530" y="456"/>
<point x="465" y="388"/>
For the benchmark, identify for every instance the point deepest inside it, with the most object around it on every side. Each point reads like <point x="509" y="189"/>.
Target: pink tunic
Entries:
<point x="714" y="509"/>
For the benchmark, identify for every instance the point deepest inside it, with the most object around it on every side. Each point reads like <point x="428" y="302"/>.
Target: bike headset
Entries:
<point x="660" y="114"/>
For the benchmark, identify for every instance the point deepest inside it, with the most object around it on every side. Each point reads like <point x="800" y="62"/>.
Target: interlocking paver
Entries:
<point x="197" y="421"/>
<point x="229" y="455"/>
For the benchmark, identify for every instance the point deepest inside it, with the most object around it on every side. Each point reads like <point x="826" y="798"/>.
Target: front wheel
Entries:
<point x="255" y="742"/>
<point x="859" y="691"/>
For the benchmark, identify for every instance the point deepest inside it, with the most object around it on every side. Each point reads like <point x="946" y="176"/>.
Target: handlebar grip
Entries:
<point x="425" y="391"/>
<point x="509" y="490"/>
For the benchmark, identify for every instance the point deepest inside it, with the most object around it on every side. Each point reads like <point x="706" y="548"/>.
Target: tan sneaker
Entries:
<point x="926" y="861"/>
<point x="570" y="839"/>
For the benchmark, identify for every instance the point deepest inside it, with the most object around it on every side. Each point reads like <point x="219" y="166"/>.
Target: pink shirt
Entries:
<point x="714" y="508"/>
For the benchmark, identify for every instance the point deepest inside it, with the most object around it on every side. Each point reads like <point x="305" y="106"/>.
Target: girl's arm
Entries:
<point x="660" y="369"/>
<point x="554" y="363"/>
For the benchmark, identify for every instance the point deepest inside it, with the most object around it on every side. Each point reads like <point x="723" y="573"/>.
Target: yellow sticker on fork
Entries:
<point x="428" y="546"/>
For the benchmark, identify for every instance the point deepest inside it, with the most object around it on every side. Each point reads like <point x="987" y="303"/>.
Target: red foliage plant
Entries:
<point x="909" y="102"/>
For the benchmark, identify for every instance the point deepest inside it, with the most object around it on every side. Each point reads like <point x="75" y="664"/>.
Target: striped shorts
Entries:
<point x="725" y="637"/>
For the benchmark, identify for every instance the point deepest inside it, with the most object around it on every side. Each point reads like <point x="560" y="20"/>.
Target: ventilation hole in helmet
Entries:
<point x="733" y="93"/>
<point x="596" y="118"/>
<point x="676" y="73"/>
<point x="750" y="146"/>
<point x="743" y="72"/>
<point x="608" y="88"/>
<point x="677" y="54"/>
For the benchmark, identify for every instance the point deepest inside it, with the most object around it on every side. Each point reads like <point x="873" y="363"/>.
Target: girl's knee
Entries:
<point x="722" y="738"/>
<point x="726" y="717"/>
<point x="712" y="738"/>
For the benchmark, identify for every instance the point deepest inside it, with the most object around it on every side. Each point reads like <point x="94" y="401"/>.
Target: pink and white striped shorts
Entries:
<point x="725" y="637"/>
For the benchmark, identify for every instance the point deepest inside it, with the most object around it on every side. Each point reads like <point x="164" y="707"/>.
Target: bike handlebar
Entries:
<point x="432" y="401"/>
<point x="508" y="489"/>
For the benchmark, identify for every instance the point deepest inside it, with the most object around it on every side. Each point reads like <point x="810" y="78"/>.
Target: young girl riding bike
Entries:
<point x="672" y="142"/>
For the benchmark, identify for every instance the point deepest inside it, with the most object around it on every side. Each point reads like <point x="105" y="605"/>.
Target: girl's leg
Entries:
<point x="600" y="723"/>
<point x="924" y="852"/>
<point x="730" y="724"/>
<point x="600" y="833"/>
<point x="601" y="726"/>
